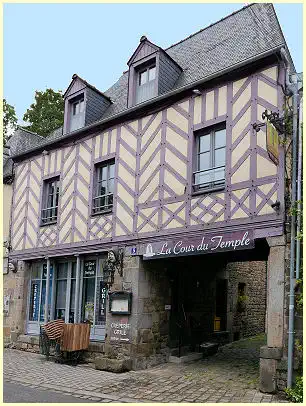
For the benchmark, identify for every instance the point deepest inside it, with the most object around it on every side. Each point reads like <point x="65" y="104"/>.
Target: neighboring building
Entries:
<point x="162" y="191"/>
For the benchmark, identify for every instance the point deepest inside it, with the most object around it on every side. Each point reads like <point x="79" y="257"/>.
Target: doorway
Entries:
<point x="199" y="298"/>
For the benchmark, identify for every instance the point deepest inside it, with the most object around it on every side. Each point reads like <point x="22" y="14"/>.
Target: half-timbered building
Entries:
<point x="157" y="211"/>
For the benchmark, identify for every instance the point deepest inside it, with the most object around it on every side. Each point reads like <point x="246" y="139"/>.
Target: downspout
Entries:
<point x="292" y="87"/>
<point x="299" y="193"/>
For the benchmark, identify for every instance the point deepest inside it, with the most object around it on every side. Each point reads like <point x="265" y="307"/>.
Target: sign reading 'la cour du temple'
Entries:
<point x="195" y="245"/>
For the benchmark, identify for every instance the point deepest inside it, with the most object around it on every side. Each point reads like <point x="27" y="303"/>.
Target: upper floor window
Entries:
<point x="77" y="113"/>
<point x="210" y="159"/>
<point x="50" y="201"/>
<point x="145" y="87"/>
<point x="104" y="187"/>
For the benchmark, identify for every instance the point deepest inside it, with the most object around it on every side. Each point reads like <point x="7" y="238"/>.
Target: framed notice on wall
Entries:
<point x="120" y="302"/>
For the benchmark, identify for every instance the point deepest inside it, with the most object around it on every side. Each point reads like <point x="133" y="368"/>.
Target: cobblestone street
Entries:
<point x="229" y="376"/>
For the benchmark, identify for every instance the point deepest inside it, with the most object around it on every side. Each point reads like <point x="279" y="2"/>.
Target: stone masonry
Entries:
<point x="249" y="318"/>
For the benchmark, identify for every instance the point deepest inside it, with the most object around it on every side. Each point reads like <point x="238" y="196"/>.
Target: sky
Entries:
<point x="45" y="44"/>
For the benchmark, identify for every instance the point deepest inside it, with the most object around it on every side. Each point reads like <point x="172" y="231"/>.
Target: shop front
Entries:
<point x="73" y="297"/>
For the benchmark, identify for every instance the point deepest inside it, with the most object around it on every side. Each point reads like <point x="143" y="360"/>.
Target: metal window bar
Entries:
<point x="215" y="180"/>
<point x="100" y="207"/>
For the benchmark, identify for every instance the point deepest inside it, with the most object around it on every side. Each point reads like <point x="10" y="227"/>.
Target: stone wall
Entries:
<point x="149" y="320"/>
<point x="249" y="318"/>
<point x="15" y="288"/>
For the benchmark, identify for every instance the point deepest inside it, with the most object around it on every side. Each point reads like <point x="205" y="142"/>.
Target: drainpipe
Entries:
<point x="292" y="87"/>
<point x="299" y="193"/>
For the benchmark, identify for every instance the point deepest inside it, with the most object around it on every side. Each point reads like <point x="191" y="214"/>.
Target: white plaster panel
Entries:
<point x="175" y="139"/>
<point x="177" y="119"/>
<point x="197" y="109"/>
<point x="242" y="100"/>
<point x="265" y="167"/>
<point x="210" y="98"/>
<point x="129" y="138"/>
<point x="241" y="124"/>
<point x="222" y="101"/>
<point x="237" y="85"/>
<point x="241" y="148"/>
<point x="177" y="164"/>
<point x="174" y="184"/>
<point x="267" y="92"/>
<point x="243" y="172"/>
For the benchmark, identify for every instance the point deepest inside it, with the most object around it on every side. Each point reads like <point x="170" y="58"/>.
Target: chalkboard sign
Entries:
<point x="89" y="268"/>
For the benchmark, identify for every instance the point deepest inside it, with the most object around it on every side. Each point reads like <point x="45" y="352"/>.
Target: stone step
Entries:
<point x="192" y="356"/>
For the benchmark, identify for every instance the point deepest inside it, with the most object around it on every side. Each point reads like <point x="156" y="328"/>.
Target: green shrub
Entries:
<point x="295" y="394"/>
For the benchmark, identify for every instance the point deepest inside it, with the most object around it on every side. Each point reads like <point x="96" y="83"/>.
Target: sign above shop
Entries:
<point x="205" y="244"/>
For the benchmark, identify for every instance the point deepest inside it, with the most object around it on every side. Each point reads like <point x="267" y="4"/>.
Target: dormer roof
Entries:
<point x="77" y="83"/>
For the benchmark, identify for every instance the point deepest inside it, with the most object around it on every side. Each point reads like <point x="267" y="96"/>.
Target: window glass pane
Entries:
<point x="220" y="138"/>
<point x="62" y="270"/>
<point x="205" y="143"/>
<point x="72" y="302"/>
<point x="81" y="109"/>
<point x="102" y="188"/>
<point x="220" y="157"/>
<point x="111" y="186"/>
<point x="88" y="299"/>
<point x="61" y="294"/>
<point x="43" y="299"/>
<point x="152" y="72"/>
<point x="36" y="271"/>
<point x="104" y="173"/>
<point x="112" y="170"/>
<point x="73" y="270"/>
<point x="143" y="78"/>
<point x="204" y="161"/>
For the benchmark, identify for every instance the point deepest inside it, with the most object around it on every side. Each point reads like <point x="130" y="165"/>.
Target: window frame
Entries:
<point x="95" y="186"/>
<point x="211" y="130"/>
<point x="45" y="197"/>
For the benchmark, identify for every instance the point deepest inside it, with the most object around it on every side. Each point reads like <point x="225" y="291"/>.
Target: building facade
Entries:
<point x="158" y="212"/>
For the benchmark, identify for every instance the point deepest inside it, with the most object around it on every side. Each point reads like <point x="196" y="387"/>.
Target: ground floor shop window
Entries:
<point x="62" y="295"/>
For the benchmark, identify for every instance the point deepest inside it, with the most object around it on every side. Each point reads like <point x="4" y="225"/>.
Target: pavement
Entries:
<point x="230" y="376"/>
<point x="25" y="393"/>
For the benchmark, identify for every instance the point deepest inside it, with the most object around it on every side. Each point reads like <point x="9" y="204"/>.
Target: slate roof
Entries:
<point x="243" y="35"/>
<point x="21" y="141"/>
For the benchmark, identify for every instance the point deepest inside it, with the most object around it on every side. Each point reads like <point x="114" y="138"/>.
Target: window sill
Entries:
<point x="47" y="224"/>
<point x="100" y="213"/>
<point x="205" y="191"/>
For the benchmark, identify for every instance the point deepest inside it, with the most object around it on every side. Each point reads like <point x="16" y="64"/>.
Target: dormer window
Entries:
<point x="145" y="88"/>
<point x="152" y="72"/>
<point x="77" y="116"/>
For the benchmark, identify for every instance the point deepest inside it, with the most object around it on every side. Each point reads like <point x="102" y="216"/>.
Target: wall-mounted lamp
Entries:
<point x="197" y="92"/>
<point x="276" y="205"/>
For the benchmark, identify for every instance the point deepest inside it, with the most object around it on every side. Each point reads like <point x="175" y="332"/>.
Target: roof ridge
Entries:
<point x="210" y="25"/>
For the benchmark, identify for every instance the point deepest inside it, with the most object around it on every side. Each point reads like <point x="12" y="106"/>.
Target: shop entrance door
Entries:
<point x="93" y="294"/>
<point x="37" y="296"/>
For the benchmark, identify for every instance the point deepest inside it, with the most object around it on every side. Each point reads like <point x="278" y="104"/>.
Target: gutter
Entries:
<point x="126" y="112"/>
<point x="292" y="89"/>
